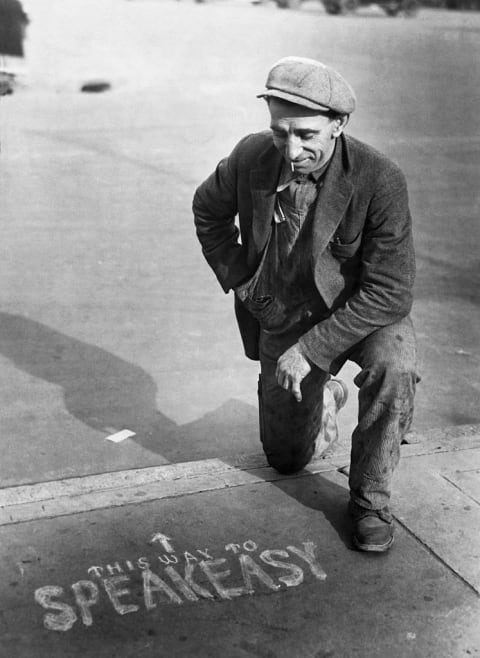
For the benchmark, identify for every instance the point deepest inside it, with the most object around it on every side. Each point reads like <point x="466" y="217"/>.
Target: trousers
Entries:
<point x="386" y="383"/>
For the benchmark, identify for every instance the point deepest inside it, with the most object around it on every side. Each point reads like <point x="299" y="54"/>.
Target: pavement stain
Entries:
<point x="255" y="650"/>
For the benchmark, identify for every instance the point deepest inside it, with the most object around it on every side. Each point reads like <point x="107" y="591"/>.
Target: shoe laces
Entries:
<point x="359" y="512"/>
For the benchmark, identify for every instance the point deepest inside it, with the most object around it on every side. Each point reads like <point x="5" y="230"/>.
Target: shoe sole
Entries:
<point x="372" y="548"/>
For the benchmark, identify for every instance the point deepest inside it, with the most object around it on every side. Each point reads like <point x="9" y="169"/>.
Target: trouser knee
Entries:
<point x="389" y="382"/>
<point x="288" y="429"/>
<point x="288" y="464"/>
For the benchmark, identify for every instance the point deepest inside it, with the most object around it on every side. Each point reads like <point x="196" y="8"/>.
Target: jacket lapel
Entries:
<point x="333" y="199"/>
<point x="263" y="184"/>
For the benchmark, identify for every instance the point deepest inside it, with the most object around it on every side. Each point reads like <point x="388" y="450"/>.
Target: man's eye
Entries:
<point x="278" y="134"/>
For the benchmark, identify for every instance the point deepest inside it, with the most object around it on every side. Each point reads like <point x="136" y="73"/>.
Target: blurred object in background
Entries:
<point x="469" y="5"/>
<point x="390" y="7"/>
<point x="13" y="23"/>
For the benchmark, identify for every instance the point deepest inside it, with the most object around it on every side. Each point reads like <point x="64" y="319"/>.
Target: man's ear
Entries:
<point x="340" y="124"/>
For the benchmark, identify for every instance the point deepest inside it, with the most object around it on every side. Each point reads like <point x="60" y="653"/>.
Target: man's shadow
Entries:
<point x="318" y="492"/>
<point x="99" y="389"/>
<point x="108" y="394"/>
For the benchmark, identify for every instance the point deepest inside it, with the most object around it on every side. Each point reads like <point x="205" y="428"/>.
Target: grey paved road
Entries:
<point x="109" y="317"/>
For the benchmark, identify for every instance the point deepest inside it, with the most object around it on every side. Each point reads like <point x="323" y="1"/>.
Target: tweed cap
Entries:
<point x="309" y="83"/>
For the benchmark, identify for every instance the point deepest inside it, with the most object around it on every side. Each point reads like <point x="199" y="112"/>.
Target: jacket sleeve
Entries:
<point x="384" y="293"/>
<point x="215" y="206"/>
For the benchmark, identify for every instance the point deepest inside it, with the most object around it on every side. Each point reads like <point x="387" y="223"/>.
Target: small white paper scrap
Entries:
<point x="120" y="436"/>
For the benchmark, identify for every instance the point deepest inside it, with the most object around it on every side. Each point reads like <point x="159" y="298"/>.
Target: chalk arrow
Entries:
<point x="232" y="547"/>
<point x="163" y="540"/>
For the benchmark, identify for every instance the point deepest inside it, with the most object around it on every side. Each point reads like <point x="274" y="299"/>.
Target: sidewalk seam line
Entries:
<point x="124" y="503"/>
<point x="83" y="494"/>
<point x="454" y="484"/>
<point x="436" y="555"/>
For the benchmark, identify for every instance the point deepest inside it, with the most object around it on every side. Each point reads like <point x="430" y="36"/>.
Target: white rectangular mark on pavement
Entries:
<point x="120" y="436"/>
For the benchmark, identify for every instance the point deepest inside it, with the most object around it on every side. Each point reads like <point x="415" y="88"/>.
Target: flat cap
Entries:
<point x="309" y="83"/>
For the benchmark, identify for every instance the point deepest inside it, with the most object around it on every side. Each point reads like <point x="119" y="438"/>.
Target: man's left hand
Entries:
<point x="292" y="368"/>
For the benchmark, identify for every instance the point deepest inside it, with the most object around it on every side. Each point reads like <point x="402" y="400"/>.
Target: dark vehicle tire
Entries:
<point x="410" y="7"/>
<point x="332" y="7"/>
<point x="340" y="6"/>
<point x="391" y="7"/>
<point x="407" y="7"/>
<point x="288" y="4"/>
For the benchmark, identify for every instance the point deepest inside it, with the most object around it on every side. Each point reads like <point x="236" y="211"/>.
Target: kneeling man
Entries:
<point x="323" y="272"/>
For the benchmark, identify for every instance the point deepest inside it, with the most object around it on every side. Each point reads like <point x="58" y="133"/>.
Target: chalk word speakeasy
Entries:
<point x="176" y="578"/>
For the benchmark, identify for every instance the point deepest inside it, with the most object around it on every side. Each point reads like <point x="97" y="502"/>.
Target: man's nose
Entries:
<point x="293" y="147"/>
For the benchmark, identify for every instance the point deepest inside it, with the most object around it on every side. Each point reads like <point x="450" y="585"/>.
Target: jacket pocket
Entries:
<point x="344" y="250"/>
<point x="268" y="310"/>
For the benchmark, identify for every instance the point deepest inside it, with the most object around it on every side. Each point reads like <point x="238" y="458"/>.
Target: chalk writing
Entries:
<point x="168" y="559"/>
<point x="233" y="547"/>
<point x="171" y="579"/>
<point x="248" y="545"/>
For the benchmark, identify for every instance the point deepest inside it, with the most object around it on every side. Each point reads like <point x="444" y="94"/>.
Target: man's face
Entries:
<point x="304" y="137"/>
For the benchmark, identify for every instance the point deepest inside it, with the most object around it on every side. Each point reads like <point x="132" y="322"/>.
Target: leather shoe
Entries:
<point x="372" y="529"/>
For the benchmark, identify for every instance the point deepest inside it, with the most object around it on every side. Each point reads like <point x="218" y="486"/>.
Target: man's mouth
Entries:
<point x="297" y="164"/>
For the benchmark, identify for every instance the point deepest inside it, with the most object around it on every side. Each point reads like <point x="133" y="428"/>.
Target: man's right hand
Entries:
<point x="292" y="368"/>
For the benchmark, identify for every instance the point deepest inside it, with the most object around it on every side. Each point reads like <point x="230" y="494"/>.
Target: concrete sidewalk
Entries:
<point x="228" y="558"/>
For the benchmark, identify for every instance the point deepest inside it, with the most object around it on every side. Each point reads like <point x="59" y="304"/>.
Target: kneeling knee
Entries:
<point x="289" y="464"/>
<point x="388" y="373"/>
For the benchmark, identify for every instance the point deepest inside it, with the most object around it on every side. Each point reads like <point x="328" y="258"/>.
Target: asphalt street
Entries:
<point x="110" y="318"/>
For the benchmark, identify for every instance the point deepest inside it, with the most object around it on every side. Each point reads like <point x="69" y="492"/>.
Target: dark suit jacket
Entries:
<point x="363" y="260"/>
